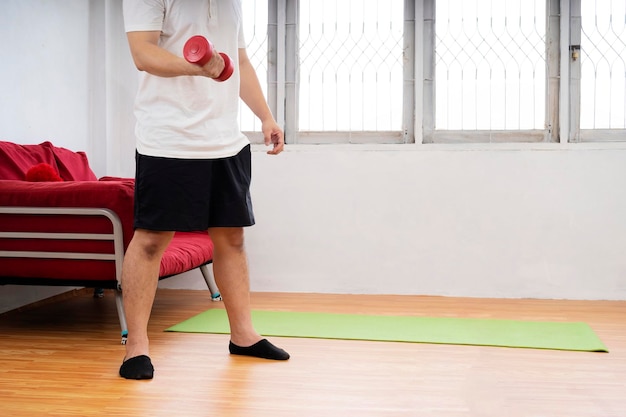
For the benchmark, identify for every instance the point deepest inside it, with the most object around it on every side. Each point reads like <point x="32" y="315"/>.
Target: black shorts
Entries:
<point x="193" y="194"/>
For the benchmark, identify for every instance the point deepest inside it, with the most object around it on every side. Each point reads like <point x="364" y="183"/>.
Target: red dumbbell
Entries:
<point x="198" y="50"/>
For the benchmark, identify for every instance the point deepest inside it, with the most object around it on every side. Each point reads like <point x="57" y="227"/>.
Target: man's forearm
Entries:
<point x="251" y="92"/>
<point x="150" y="57"/>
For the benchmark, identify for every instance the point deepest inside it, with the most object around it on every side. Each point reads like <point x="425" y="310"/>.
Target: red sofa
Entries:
<point x="61" y="225"/>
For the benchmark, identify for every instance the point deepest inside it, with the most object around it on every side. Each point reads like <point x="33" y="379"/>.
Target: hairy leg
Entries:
<point x="140" y="277"/>
<point x="230" y="266"/>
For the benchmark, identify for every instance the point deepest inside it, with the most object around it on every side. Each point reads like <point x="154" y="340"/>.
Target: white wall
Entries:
<point x="519" y="220"/>
<point x="44" y="87"/>
<point x="529" y="221"/>
<point x="67" y="77"/>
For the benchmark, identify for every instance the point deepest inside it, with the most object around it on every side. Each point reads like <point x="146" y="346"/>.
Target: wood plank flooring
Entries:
<point x="62" y="359"/>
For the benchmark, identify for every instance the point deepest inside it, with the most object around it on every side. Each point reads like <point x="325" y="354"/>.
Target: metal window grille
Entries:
<point x="351" y="67"/>
<point x="490" y="66"/>
<point x="603" y="66"/>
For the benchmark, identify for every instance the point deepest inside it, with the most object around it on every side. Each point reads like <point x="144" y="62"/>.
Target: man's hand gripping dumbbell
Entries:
<point x="198" y="50"/>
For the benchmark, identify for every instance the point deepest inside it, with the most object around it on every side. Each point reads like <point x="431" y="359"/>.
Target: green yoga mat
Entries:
<point x="442" y="330"/>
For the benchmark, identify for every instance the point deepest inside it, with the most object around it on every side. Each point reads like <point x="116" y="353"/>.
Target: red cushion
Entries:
<point x="16" y="160"/>
<point x="188" y="250"/>
<point x="115" y="195"/>
<point x="73" y="166"/>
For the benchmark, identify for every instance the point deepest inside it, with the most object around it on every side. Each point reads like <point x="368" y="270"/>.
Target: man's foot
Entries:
<point x="261" y="349"/>
<point x="139" y="367"/>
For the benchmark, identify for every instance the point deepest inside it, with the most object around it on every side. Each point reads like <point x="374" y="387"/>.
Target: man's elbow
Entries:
<point x="140" y="66"/>
<point x="140" y="63"/>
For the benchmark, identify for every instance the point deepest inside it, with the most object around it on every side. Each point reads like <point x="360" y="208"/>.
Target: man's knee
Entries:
<point x="151" y="243"/>
<point x="230" y="237"/>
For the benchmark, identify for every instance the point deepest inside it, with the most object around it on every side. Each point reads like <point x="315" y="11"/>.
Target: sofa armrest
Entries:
<point x="116" y="196"/>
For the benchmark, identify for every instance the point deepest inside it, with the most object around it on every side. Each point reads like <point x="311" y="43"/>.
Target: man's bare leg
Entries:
<point x="140" y="277"/>
<point x="230" y="267"/>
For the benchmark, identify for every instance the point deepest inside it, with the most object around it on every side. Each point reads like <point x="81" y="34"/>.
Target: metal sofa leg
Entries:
<point x="210" y="282"/>
<point x="121" y="314"/>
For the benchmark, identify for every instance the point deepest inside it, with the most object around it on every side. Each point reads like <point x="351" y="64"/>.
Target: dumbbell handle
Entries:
<point x="198" y="50"/>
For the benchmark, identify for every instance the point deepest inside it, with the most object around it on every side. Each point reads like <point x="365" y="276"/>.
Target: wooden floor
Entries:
<point x="62" y="359"/>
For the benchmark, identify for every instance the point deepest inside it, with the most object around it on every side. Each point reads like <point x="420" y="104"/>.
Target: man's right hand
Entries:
<point x="214" y="67"/>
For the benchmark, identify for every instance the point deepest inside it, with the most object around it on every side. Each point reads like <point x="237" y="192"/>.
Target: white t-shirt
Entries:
<point x="190" y="117"/>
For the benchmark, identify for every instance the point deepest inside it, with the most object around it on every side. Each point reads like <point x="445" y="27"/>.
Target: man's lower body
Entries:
<point x="190" y="195"/>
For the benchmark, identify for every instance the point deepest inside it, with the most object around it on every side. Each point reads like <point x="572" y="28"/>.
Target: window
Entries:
<point x="440" y="71"/>
<point x="490" y="62"/>
<point x="350" y="65"/>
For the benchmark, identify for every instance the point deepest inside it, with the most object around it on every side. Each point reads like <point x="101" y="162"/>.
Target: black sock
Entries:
<point x="261" y="349"/>
<point x="139" y="367"/>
